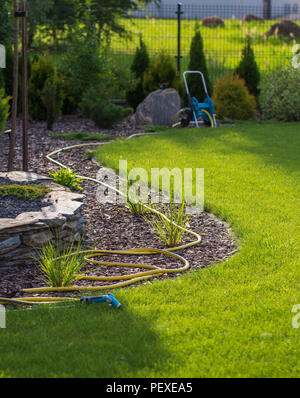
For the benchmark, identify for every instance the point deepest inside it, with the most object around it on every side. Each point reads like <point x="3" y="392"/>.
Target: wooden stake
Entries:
<point x="12" y="139"/>
<point x="24" y="87"/>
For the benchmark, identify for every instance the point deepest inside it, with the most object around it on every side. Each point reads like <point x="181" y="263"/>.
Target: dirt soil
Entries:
<point x="107" y="226"/>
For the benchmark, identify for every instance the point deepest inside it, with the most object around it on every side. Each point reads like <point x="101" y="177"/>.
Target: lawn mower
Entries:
<point x="197" y="113"/>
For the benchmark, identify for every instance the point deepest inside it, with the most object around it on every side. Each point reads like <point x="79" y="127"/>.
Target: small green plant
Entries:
<point x="169" y="223"/>
<point x="67" y="178"/>
<point x="248" y="69"/>
<point x="60" y="262"/>
<point x="89" y="154"/>
<point x="135" y="206"/>
<point x="27" y="192"/>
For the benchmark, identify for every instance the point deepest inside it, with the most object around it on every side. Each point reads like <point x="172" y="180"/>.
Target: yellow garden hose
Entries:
<point x="209" y="116"/>
<point x="91" y="255"/>
<point x="183" y="110"/>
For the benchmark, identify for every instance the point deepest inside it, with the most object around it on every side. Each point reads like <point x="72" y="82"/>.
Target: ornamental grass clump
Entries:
<point x="60" y="262"/>
<point x="169" y="223"/>
<point x="136" y="204"/>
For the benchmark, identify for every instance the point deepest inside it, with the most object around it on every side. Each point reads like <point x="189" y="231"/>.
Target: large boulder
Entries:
<point x="252" y="17"/>
<point x="285" y="28"/>
<point x="158" y="108"/>
<point x="213" y="22"/>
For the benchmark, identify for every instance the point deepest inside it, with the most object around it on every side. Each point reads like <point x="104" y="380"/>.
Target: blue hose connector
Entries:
<point x="110" y="299"/>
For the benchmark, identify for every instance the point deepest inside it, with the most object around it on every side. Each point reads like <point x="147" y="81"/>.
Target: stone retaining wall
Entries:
<point x="21" y="236"/>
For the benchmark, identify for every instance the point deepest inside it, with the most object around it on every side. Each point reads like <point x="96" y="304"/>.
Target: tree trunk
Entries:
<point x="54" y="34"/>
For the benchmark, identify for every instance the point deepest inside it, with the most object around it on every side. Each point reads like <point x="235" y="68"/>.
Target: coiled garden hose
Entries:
<point x="183" y="110"/>
<point x="90" y="255"/>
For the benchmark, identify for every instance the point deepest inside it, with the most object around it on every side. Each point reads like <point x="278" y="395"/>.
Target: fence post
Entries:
<point x="179" y="12"/>
<point x="267" y="9"/>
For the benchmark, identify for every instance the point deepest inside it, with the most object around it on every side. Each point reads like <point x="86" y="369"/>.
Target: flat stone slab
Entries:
<point x="62" y="203"/>
<point x="22" y="176"/>
<point x="32" y="229"/>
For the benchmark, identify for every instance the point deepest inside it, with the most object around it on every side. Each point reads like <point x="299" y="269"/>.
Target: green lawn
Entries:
<point x="229" y="320"/>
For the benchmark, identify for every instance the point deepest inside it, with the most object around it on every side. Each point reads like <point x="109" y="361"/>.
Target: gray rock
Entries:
<point x="57" y="197"/>
<point x="37" y="240"/>
<point x="73" y="226"/>
<point x="21" y="253"/>
<point x="158" y="108"/>
<point x="13" y="225"/>
<point x="9" y="244"/>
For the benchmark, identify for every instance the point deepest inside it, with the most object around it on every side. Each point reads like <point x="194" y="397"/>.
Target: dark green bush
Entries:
<point x="83" y="67"/>
<point x="141" y="61"/>
<point x="232" y="99"/>
<point x="248" y="69"/>
<point x="280" y="94"/>
<point x="198" y="62"/>
<point x="49" y="96"/>
<point x="136" y="95"/>
<point x="98" y="108"/>
<point x="2" y="82"/>
<point x="161" y="72"/>
<point x="45" y="95"/>
<point x="4" y="109"/>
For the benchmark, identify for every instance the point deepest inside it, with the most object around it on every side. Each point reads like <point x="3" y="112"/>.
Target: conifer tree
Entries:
<point x="198" y="62"/>
<point x="248" y="69"/>
<point x="139" y="66"/>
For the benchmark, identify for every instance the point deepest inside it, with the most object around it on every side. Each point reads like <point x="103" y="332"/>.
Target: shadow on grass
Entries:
<point x="81" y="340"/>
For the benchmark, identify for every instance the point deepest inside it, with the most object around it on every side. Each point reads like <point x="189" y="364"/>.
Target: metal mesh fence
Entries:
<point x="223" y="43"/>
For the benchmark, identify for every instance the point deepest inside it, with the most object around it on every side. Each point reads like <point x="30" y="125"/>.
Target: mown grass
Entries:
<point x="228" y="320"/>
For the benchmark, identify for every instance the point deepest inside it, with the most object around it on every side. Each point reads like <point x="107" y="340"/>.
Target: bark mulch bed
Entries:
<point x="108" y="226"/>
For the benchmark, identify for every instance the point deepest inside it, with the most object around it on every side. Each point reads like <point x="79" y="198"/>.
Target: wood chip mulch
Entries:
<point x="107" y="226"/>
